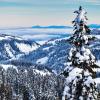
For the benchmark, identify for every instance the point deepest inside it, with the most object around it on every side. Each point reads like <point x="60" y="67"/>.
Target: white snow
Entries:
<point x="88" y="81"/>
<point x="47" y="48"/>
<point x="78" y="55"/>
<point x="8" y="66"/>
<point x="85" y="56"/>
<point x="80" y="16"/>
<point x="71" y="53"/>
<point x="41" y="42"/>
<point x="42" y="60"/>
<point x="84" y="37"/>
<point x="8" y="50"/>
<point x="6" y="37"/>
<point x="26" y="48"/>
<point x="87" y="52"/>
<point x="36" y="36"/>
<point x="97" y="80"/>
<point x="41" y="72"/>
<point x="97" y="36"/>
<point x="75" y="72"/>
<point x="66" y="90"/>
<point x="98" y="62"/>
<point x="2" y="38"/>
<point x="83" y="49"/>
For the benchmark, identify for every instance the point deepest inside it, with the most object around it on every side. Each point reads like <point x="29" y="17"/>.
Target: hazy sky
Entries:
<point x="45" y="12"/>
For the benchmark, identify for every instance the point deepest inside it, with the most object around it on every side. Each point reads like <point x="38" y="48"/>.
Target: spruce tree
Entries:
<point x="79" y="73"/>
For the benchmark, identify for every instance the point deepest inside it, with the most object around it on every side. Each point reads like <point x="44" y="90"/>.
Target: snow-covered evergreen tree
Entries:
<point x="79" y="73"/>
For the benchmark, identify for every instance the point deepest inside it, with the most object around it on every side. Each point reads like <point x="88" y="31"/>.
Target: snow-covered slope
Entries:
<point x="6" y="67"/>
<point x="53" y="54"/>
<point x="96" y="31"/>
<point x="42" y="72"/>
<point x="12" y="47"/>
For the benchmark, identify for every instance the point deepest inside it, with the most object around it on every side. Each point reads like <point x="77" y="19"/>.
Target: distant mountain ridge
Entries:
<point x="48" y="27"/>
<point x="94" y="25"/>
<point x="52" y="26"/>
<point x="62" y="26"/>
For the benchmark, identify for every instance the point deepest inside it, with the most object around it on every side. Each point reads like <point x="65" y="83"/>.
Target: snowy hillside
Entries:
<point x="53" y="54"/>
<point x="12" y="47"/>
<point x="35" y="70"/>
<point x="96" y="31"/>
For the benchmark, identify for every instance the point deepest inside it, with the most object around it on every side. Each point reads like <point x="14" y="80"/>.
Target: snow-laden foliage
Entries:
<point x="80" y="76"/>
<point x="79" y="85"/>
<point x="84" y="55"/>
<point x="29" y="84"/>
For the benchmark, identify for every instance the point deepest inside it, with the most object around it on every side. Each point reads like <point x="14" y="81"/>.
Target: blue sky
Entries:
<point x="45" y="12"/>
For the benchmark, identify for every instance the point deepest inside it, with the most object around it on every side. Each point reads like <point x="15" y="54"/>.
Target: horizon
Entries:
<point x="23" y="13"/>
<point x="48" y="26"/>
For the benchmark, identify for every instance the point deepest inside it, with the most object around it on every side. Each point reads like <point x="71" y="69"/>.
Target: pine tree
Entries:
<point x="79" y="73"/>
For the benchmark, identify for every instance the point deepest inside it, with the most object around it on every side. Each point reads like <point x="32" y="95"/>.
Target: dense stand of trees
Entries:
<point x="27" y="84"/>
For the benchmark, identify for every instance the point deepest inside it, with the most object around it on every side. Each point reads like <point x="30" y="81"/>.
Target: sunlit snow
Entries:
<point x="25" y="47"/>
